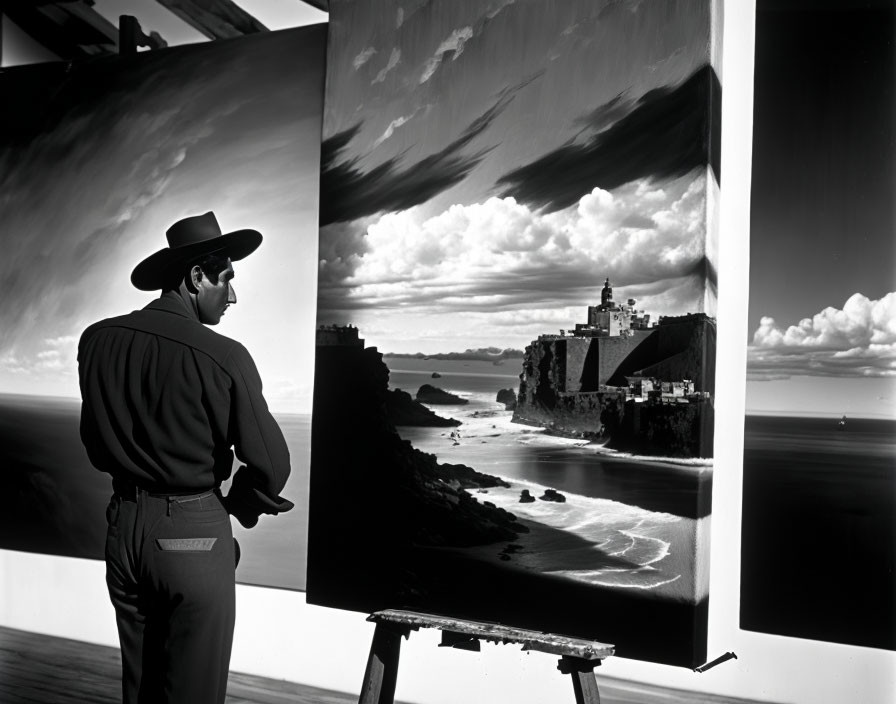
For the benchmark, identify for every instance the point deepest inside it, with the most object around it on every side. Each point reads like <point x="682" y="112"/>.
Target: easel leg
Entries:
<point x="584" y="683"/>
<point x="382" y="666"/>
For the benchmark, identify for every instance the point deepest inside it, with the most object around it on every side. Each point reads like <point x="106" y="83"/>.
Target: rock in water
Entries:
<point x="526" y="497"/>
<point x="402" y="409"/>
<point x="434" y="395"/>
<point x="553" y="495"/>
<point x="508" y="398"/>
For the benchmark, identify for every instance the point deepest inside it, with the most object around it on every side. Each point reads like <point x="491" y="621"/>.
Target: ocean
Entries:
<point x="643" y="519"/>
<point x="819" y="529"/>
<point x="53" y="501"/>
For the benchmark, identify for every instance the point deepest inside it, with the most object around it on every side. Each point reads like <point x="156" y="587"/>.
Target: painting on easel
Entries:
<point x="98" y="158"/>
<point x="820" y="430"/>
<point x="514" y="377"/>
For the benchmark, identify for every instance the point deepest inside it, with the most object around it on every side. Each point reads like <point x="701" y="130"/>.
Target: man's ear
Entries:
<point x="194" y="278"/>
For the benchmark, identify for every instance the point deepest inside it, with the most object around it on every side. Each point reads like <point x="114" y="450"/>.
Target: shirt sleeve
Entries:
<point x="90" y="435"/>
<point x="258" y="443"/>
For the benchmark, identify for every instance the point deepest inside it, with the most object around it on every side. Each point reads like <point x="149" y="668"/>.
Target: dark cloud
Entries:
<point x="668" y="132"/>
<point x="348" y="193"/>
<point x="517" y="87"/>
<point x="607" y="114"/>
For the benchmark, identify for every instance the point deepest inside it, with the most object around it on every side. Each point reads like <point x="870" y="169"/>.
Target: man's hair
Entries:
<point x="211" y="264"/>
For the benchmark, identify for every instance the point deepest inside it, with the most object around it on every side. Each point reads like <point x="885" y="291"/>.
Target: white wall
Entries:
<point x="279" y="635"/>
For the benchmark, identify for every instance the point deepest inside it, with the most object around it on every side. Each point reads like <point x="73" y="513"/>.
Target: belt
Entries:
<point x="128" y="491"/>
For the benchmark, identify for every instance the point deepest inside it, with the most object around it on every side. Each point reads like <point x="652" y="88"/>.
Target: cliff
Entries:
<point x="579" y="386"/>
<point x="668" y="429"/>
<point x="436" y="396"/>
<point x="402" y="409"/>
<point x="374" y="497"/>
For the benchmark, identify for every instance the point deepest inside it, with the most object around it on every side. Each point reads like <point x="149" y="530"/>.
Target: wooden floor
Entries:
<point x="45" y="670"/>
<point x="37" y="669"/>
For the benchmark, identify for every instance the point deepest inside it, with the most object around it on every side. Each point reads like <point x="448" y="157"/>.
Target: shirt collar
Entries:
<point x="171" y="302"/>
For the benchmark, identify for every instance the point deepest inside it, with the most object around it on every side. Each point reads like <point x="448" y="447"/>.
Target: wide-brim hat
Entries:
<point x="189" y="239"/>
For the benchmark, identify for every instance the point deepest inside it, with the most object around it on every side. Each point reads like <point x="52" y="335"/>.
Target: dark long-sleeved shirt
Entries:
<point x="166" y="401"/>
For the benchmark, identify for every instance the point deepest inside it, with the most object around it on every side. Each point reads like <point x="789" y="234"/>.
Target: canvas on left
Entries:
<point x="97" y="160"/>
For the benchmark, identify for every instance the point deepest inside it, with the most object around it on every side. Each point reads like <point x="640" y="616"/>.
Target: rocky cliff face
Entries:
<point x="402" y="409"/>
<point x="671" y="430"/>
<point x="578" y="387"/>
<point x="436" y="396"/>
<point x="374" y="497"/>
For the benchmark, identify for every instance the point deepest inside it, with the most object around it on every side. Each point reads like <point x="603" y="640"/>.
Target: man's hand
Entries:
<point x="246" y="517"/>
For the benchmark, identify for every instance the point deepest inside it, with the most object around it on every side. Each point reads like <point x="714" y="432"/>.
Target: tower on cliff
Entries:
<point x="611" y="320"/>
<point x="606" y="295"/>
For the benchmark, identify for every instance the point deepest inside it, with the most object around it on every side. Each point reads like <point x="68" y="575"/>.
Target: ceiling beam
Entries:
<point x="216" y="19"/>
<point x="71" y="29"/>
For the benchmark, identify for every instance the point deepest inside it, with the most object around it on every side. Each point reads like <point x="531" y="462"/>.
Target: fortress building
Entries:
<point x="618" y="375"/>
<point x="338" y="336"/>
<point x="611" y="320"/>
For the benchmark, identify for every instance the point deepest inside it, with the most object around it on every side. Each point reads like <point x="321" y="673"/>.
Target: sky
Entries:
<point x="487" y="165"/>
<point x="101" y="160"/>
<point x="822" y="316"/>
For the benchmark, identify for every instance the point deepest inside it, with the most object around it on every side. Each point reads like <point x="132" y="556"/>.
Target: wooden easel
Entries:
<point x="578" y="657"/>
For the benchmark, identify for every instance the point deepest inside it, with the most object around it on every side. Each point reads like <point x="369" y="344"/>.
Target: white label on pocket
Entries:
<point x="186" y="544"/>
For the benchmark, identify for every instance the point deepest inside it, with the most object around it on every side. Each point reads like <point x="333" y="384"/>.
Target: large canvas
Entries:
<point x="819" y="492"/>
<point x="514" y="376"/>
<point x="97" y="160"/>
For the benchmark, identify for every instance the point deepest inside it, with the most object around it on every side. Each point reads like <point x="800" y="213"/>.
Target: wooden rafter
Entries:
<point x="72" y="29"/>
<point x="68" y="28"/>
<point x="216" y="19"/>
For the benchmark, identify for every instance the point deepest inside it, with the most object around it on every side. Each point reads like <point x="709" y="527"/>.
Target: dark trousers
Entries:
<point x="170" y="571"/>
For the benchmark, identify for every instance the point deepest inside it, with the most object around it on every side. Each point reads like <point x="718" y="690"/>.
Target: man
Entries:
<point x="165" y="400"/>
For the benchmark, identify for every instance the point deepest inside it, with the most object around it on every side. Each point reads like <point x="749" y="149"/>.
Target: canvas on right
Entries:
<point x="819" y="495"/>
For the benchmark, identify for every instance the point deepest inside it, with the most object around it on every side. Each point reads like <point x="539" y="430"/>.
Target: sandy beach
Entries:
<point x="598" y="537"/>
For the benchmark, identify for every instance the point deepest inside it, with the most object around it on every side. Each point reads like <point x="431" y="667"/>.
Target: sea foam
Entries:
<point x="625" y="546"/>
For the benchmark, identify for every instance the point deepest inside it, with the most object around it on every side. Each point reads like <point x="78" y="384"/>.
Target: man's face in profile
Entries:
<point x="214" y="298"/>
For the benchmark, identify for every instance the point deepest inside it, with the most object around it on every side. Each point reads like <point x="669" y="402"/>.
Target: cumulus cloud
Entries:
<point x="502" y="255"/>
<point x="394" y="59"/>
<point x="454" y="43"/>
<point x="363" y="57"/>
<point x="11" y="363"/>
<point x="52" y="358"/>
<point x="857" y="340"/>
